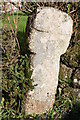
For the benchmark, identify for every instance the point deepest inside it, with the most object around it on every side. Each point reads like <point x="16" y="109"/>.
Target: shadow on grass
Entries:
<point x="74" y="114"/>
<point x="24" y="45"/>
<point x="21" y="38"/>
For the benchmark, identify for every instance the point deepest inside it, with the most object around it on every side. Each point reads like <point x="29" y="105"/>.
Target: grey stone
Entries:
<point x="49" y="39"/>
<point x="76" y="77"/>
<point x="72" y="56"/>
<point x="79" y="96"/>
<point x="64" y="72"/>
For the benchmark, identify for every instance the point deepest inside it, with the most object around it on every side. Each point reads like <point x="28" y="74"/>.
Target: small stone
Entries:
<point x="65" y="72"/>
<point x="75" y="80"/>
<point x="79" y="82"/>
<point x="55" y="113"/>
<point x="66" y="76"/>
<point x="59" y="90"/>
<point x="76" y="76"/>
<point x="79" y="96"/>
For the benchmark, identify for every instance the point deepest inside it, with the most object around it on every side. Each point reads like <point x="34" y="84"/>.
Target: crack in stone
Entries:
<point x="40" y="30"/>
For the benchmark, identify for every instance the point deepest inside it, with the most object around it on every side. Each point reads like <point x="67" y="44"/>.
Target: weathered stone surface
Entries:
<point x="76" y="78"/>
<point x="65" y="72"/>
<point x="72" y="56"/>
<point x="49" y="39"/>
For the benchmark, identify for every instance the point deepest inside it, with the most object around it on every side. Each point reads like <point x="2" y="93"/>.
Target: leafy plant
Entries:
<point x="68" y="8"/>
<point x="64" y="101"/>
<point x="16" y="83"/>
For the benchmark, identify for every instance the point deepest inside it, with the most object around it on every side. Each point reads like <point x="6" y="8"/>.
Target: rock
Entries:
<point x="79" y="96"/>
<point x="72" y="56"/>
<point x="76" y="77"/>
<point x="77" y="93"/>
<point x="49" y="39"/>
<point x="65" y="72"/>
<point x="75" y="80"/>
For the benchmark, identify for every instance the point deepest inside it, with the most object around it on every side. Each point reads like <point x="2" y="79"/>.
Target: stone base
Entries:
<point x="34" y="106"/>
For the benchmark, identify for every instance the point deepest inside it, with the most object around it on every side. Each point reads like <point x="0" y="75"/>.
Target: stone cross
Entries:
<point x="49" y="39"/>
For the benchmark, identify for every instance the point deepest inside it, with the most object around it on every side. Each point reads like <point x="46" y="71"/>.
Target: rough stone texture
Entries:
<point x="72" y="56"/>
<point x="65" y="72"/>
<point x="76" y="78"/>
<point x="49" y="39"/>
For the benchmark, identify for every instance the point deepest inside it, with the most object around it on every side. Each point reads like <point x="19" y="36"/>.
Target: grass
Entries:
<point x="22" y="21"/>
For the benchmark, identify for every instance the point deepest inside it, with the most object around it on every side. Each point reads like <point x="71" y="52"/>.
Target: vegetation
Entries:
<point x="16" y="80"/>
<point x="22" y="21"/>
<point x="16" y="83"/>
<point x="16" y="68"/>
